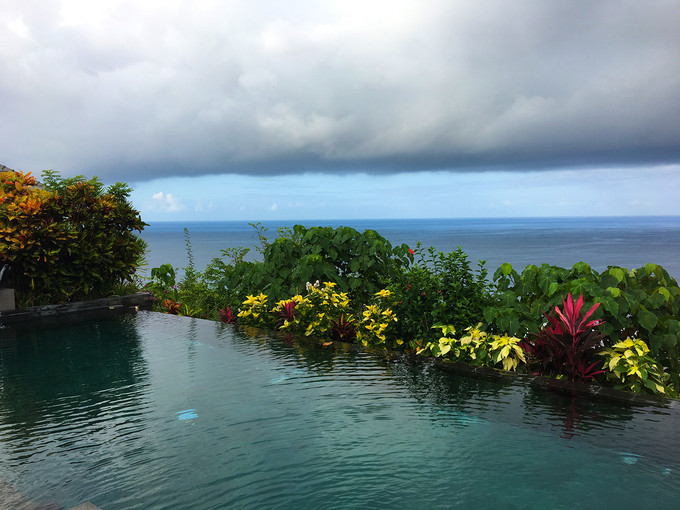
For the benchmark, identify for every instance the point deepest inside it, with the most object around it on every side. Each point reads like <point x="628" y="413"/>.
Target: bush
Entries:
<point x="68" y="239"/>
<point x="326" y="314"/>
<point x="476" y="348"/>
<point x="567" y="344"/>
<point x="631" y="368"/>
<point x="642" y="303"/>
<point x="439" y="288"/>
<point x="359" y="263"/>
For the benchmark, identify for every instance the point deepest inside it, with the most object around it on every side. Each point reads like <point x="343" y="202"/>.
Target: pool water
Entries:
<point x="155" y="411"/>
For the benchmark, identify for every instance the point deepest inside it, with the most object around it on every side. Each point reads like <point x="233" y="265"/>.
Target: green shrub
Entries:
<point x="439" y="288"/>
<point x="643" y="302"/>
<point x="359" y="263"/>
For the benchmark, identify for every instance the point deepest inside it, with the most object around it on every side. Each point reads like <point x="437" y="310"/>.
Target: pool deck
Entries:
<point x="137" y="301"/>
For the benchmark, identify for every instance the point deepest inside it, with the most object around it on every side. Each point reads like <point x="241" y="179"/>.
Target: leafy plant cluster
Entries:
<point x="425" y="286"/>
<point x="477" y="347"/>
<point x="418" y="299"/>
<point x="323" y="313"/>
<point x="359" y="263"/>
<point x="569" y="345"/>
<point x="67" y="239"/>
<point x="632" y="368"/>
<point x="438" y="288"/>
<point x="641" y="303"/>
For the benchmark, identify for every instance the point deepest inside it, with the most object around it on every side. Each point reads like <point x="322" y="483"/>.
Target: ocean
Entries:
<point x="600" y="242"/>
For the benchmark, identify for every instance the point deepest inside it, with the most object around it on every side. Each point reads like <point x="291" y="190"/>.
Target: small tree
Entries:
<point x="67" y="239"/>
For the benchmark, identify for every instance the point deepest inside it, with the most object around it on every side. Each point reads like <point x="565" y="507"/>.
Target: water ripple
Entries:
<point x="189" y="414"/>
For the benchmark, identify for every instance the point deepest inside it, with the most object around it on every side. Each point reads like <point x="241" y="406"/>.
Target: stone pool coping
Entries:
<point x="137" y="301"/>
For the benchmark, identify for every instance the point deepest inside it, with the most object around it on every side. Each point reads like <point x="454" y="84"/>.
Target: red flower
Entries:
<point x="410" y="251"/>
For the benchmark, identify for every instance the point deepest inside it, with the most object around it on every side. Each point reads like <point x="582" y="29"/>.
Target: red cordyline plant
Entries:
<point x="286" y="313"/>
<point x="227" y="316"/>
<point x="566" y="344"/>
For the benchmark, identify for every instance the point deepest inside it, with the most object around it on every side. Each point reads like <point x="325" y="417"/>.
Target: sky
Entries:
<point x="266" y="110"/>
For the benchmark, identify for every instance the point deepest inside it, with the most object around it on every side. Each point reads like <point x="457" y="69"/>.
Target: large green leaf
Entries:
<point x="580" y="286"/>
<point x="617" y="273"/>
<point x="509" y="299"/>
<point x="607" y="280"/>
<point x="581" y="268"/>
<point x="610" y="305"/>
<point x="647" y="320"/>
<point x="614" y="291"/>
<point x="544" y="280"/>
<point x="656" y="300"/>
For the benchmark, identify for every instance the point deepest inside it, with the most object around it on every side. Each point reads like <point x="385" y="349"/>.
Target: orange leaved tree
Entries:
<point x="66" y="239"/>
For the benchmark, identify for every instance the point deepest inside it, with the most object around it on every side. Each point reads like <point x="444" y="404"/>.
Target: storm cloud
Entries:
<point x="140" y="90"/>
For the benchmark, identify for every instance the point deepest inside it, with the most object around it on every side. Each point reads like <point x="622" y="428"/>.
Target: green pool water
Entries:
<point x="155" y="411"/>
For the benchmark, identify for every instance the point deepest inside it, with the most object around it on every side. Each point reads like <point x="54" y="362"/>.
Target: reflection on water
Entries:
<point x="158" y="411"/>
<point x="566" y="415"/>
<point x="44" y="372"/>
<point x="55" y="377"/>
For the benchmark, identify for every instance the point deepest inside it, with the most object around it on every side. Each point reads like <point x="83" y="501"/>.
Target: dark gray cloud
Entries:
<point x="137" y="90"/>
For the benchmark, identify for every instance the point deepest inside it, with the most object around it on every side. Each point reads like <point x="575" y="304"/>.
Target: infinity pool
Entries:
<point x="155" y="411"/>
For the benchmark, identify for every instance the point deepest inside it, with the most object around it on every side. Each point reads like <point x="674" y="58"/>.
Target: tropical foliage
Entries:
<point x="631" y="367"/>
<point x="641" y="303"/>
<point x="67" y="239"/>
<point x="322" y="313"/>
<point x="376" y="327"/>
<point x="477" y="347"/>
<point x="567" y="344"/>
<point x="438" y="288"/>
<point x="70" y="238"/>
<point x="529" y="322"/>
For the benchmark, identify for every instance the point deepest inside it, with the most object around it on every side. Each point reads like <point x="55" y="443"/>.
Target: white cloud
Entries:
<point x="166" y="202"/>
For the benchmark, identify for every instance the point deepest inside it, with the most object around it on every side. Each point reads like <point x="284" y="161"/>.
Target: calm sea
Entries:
<point x="623" y="241"/>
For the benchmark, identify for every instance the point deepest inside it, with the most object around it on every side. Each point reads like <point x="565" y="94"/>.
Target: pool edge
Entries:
<point x="137" y="301"/>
